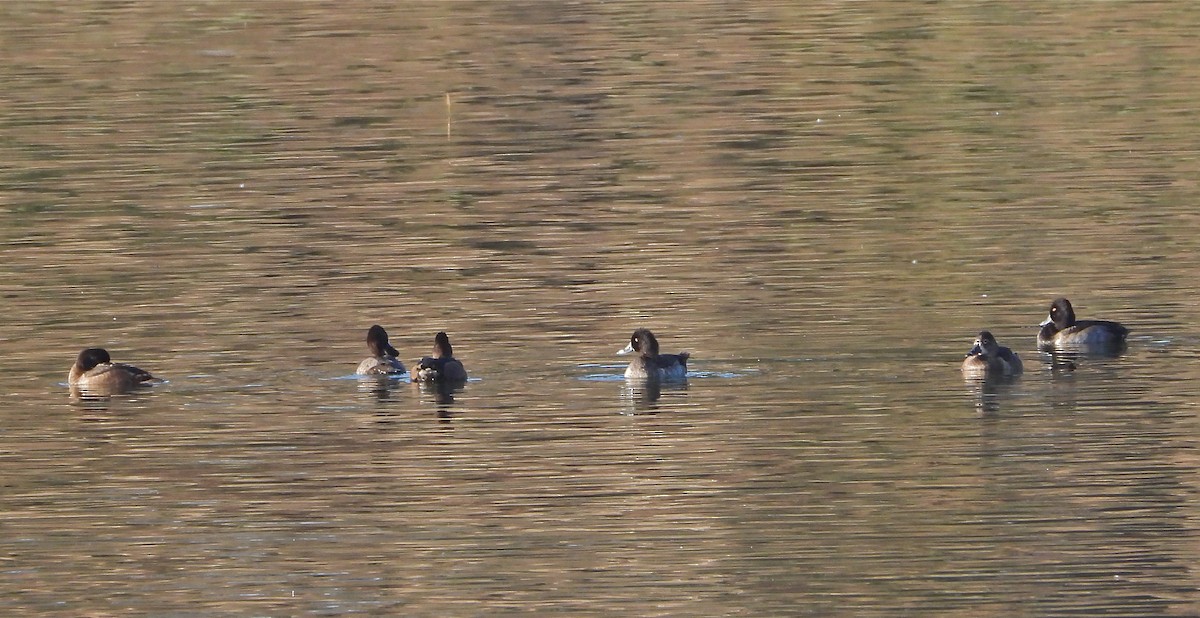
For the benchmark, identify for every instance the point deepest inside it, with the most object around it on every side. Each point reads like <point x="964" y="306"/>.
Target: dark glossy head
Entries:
<point x="377" y="342"/>
<point x="643" y="342"/>
<point x="441" y="346"/>
<point x="985" y="345"/>
<point x="1062" y="315"/>
<point x="89" y="358"/>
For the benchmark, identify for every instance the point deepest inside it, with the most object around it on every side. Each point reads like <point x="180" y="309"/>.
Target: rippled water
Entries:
<point x="823" y="204"/>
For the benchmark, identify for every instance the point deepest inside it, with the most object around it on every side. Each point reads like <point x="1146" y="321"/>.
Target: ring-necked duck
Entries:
<point x="1061" y="330"/>
<point x="442" y="366"/>
<point x="383" y="359"/>
<point x="650" y="364"/>
<point x="94" y="371"/>
<point x="989" y="358"/>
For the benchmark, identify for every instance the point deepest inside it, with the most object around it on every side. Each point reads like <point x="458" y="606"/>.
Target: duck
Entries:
<point x="1061" y="330"/>
<point x="383" y="359"/>
<point x="441" y="366"/>
<point x="650" y="364"/>
<point x="94" y="371"/>
<point x="989" y="358"/>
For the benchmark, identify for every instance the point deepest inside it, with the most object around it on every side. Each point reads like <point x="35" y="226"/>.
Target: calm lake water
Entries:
<point x="823" y="202"/>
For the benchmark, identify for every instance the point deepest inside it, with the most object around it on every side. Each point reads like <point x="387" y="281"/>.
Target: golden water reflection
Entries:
<point x="821" y="202"/>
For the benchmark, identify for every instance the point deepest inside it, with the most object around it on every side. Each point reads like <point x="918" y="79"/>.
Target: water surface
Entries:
<point x="823" y="204"/>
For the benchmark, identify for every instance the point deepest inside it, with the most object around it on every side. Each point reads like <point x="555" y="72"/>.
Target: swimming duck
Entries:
<point x="1061" y="330"/>
<point x="650" y="364"/>
<point x="94" y="371"/>
<point x="442" y="366"/>
<point x="383" y="359"/>
<point x="989" y="358"/>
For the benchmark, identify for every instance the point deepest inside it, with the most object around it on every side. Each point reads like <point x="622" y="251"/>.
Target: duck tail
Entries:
<point x="684" y="356"/>
<point x="141" y="375"/>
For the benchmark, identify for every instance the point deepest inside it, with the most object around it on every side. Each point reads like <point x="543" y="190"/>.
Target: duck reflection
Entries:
<point x="989" y="391"/>
<point x="97" y="397"/>
<point x="379" y="386"/>
<point x="441" y="394"/>
<point x="90" y="400"/>
<point x="1063" y="363"/>
<point x="642" y="396"/>
<point x="100" y="399"/>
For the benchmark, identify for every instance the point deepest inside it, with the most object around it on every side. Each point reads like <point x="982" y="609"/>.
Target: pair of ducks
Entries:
<point x="1060" y="331"/>
<point x="94" y="369"/>
<point x="441" y="367"/>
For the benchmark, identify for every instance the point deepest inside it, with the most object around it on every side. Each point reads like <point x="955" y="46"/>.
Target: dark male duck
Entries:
<point x="383" y="359"/>
<point x="1060" y="330"/>
<point x="94" y="371"/>
<point x="442" y="366"/>
<point x="990" y="359"/>
<point x="650" y="364"/>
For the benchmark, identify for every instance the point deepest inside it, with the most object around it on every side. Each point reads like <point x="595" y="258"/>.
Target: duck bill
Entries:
<point x="1046" y="321"/>
<point x="628" y="349"/>
<point x="975" y="351"/>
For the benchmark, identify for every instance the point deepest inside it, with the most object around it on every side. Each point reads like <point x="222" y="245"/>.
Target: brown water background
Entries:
<point x="823" y="202"/>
